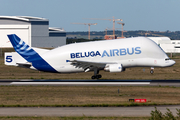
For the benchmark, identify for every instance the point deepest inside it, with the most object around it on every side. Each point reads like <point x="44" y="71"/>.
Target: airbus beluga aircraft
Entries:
<point x="109" y="55"/>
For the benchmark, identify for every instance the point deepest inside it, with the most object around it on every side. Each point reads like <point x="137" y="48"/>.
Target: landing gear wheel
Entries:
<point x="93" y="77"/>
<point x="96" y="76"/>
<point x="152" y="71"/>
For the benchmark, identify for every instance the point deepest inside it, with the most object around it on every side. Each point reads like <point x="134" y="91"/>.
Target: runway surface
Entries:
<point x="100" y="82"/>
<point x="85" y="111"/>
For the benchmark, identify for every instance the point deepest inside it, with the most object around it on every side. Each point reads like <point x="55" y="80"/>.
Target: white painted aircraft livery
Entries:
<point x="109" y="55"/>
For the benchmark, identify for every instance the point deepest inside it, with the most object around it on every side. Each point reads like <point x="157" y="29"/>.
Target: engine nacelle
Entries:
<point x="114" y="68"/>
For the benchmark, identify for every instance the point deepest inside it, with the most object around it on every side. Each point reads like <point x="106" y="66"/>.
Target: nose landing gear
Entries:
<point x="152" y="70"/>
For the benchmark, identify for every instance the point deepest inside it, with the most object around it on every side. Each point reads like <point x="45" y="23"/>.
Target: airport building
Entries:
<point x="168" y="45"/>
<point x="34" y="31"/>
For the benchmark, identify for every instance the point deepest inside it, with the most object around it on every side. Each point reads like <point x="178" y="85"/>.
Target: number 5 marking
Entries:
<point x="9" y="59"/>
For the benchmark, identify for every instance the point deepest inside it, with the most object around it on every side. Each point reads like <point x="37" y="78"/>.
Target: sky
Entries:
<point x="155" y="15"/>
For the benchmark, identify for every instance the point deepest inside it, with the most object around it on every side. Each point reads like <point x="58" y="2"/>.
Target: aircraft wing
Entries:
<point x="89" y="65"/>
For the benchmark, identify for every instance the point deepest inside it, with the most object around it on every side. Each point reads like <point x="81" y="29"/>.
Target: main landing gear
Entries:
<point x="96" y="74"/>
<point x="152" y="70"/>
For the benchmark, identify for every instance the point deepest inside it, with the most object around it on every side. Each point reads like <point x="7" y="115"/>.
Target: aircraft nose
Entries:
<point x="170" y="63"/>
<point x="173" y="62"/>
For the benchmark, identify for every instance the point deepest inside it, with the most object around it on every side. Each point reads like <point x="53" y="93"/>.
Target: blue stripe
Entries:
<point x="29" y="54"/>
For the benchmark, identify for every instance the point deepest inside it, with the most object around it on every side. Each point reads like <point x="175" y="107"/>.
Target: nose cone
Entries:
<point x="169" y="63"/>
<point x="173" y="62"/>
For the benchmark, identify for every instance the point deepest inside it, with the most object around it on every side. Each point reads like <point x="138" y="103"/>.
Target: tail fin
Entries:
<point x="22" y="48"/>
<point x="29" y="54"/>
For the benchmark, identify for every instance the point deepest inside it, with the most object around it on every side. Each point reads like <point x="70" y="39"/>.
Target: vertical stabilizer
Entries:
<point x="30" y="54"/>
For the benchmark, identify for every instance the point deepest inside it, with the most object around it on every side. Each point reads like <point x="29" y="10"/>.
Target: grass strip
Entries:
<point x="86" y="96"/>
<point x="94" y="105"/>
<point x="71" y="118"/>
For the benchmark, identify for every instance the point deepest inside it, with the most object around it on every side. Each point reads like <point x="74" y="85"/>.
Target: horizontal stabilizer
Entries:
<point x="26" y="65"/>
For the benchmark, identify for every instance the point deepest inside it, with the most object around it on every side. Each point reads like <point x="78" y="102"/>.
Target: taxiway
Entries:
<point x="85" y="111"/>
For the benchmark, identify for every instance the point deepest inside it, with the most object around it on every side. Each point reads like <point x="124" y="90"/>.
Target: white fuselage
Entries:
<point x="130" y="52"/>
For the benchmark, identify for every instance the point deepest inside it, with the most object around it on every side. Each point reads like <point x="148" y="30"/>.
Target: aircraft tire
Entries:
<point x="93" y="77"/>
<point x="98" y="76"/>
<point x="151" y="71"/>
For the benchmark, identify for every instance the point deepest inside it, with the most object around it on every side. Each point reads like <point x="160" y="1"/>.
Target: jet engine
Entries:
<point x="114" y="68"/>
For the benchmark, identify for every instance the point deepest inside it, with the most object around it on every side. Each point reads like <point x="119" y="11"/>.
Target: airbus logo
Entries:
<point x="121" y="52"/>
<point x="108" y="53"/>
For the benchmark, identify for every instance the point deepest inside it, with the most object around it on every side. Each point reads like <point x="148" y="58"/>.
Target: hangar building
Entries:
<point x="168" y="45"/>
<point x="34" y="31"/>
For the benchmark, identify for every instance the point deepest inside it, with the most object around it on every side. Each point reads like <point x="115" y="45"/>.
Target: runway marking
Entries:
<point x="78" y="83"/>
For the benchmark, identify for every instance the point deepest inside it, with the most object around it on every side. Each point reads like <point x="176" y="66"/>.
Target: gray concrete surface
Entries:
<point x="84" y="111"/>
<point x="99" y="82"/>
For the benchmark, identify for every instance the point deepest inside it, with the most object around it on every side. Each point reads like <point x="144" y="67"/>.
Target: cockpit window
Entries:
<point x="167" y="59"/>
